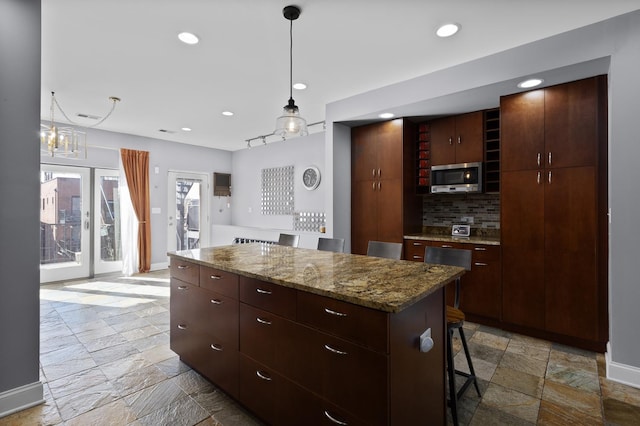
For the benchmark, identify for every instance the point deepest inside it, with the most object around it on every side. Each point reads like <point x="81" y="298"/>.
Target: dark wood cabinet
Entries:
<point x="480" y="288"/>
<point x="384" y="204"/>
<point x="553" y="212"/>
<point x="457" y="139"/>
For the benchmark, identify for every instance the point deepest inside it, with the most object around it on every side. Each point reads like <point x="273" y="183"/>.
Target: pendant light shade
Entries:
<point x="290" y="123"/>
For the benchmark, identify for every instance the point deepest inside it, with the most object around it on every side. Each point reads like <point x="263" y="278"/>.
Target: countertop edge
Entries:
<point x="451" y="239"/>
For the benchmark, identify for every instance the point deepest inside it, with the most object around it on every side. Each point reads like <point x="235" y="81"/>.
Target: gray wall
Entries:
<point x="246" y="189"/>
<point x="617" y="39"/>
<point x="167" y="156"/>
<point x="19" y="188"/>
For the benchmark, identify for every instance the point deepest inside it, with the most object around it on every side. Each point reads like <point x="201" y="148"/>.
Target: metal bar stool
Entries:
<point x="335" y="245"/>
<point x="455" y="321"/>
<point x="383" y="249"/>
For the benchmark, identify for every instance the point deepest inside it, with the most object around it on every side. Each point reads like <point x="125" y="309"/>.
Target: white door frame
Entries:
<point x="205" y="197"/>
<point x="80" y="267"/>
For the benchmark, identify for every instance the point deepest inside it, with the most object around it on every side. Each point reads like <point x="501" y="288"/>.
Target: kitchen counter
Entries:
<point x="381" y="284"/>
<point x="492" y="241"/>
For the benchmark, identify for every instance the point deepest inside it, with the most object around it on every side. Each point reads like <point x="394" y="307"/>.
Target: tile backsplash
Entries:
<point x="447" y="209"/>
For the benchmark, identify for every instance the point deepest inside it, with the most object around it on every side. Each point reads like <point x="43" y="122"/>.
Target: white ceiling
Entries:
<point x="93" y="49"/>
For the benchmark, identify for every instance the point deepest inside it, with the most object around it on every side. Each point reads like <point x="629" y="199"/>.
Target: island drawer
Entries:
<point x="414" y="250"/>
<point x="270" y="297"/>
<point x="185" y="271"/>
<point x="367" y="327"/>
<point x="225" y="283"/>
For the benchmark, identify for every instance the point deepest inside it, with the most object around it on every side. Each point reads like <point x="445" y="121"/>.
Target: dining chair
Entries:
<point x="455" y="321"/>
<point x="331" y="244"/>
<point x="288" y="240"/>
<point x="384" y="249"/>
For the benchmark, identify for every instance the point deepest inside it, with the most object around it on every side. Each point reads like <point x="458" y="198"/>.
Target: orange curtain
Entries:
<point x="136" y="169"/>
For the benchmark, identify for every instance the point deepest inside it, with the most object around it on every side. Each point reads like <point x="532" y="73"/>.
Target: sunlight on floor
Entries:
<point x="106" y="293"/>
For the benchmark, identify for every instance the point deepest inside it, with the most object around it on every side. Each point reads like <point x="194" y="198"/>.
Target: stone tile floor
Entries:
<point x="105" y="360"/>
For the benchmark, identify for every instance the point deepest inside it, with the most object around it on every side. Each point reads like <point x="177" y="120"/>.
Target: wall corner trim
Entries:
<point x="621" y="373"/>
<point x="21" y="398"/>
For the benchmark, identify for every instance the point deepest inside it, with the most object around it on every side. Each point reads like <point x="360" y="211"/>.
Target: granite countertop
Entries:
<point x="382" y="284"/>
<point x="488" y="240"/>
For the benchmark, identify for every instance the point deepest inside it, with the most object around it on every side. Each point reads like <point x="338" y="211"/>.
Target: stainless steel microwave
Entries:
<point x="456" y="178"/>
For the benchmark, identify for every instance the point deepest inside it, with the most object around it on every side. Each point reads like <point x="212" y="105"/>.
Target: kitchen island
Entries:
<point x="304" y="336"/>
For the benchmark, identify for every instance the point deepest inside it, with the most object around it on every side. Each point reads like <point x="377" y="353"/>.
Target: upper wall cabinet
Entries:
<point x="457" y="139"/>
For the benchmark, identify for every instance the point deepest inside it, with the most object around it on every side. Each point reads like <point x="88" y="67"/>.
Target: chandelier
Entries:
<point x="67" y="141"/>
<point x="290" y="123"/>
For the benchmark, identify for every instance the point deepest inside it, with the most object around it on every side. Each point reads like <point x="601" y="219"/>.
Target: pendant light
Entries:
<point x="290" y="123"/>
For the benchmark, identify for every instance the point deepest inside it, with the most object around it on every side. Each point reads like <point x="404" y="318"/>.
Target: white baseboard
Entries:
<point x="159" y="266"/>
<point x="20" y="398"/>
<point x="621" y="373"/>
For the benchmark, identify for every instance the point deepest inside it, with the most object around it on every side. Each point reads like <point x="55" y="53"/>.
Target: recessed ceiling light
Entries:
<point x="188" y="38"/>
<point x="227" y="113"/>
<point x="447" y="30"/>
<point x="186" y="129"/>
<point x="532" y="82"/>
<point x="386" y="115"/>
<point x="299" y="86"/>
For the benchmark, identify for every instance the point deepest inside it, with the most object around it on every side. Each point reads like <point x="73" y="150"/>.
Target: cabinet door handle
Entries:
<point x="539" y="158"/>
<point x="446" y="246"/>
<point x="379" y="185"/>
<point x="216" y="277"/>
<point x="379" y="172"/>
<point x="334" y="420"/>
<point x="216" y="301"/>
<point x="417" y="256"/>
<point x="182" y="287"/>
<point x="216" y="347"/>
<point x="549" y="177"/>
<point x="373" y="172"/>
<point x="373" y="186"/>
<point x="459" y="140"/>
<point x="417" y="244"/>
<point x="182" y="327"/>
<point x="480" y="264"/>
<point x="183" y="266"/>
<point x="263" y="321"/>
<point x="261" y="291"/>
<point x="336" y="313"/>
<point x="263" y="376"/>
<point x="334" y="350"/>
<point x="538" y="180"/>
<point x="549" y="157"/>
<point x="480" y="249"/>
<point x="450" y="141"/>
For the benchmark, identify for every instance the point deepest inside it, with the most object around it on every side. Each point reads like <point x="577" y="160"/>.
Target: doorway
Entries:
<point x="188" y="211"/>
<point x="79" y="222"/>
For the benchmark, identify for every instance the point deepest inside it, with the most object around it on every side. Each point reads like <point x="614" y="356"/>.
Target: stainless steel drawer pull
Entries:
<point x="216" y="301"/>
<point x="539" y="156"/>
<point x="549" y="157"/>
<point x="334" y="350"/>
<point x="263" y="321"/>
<point x="216" y="277"/>
<point x="336" y="313"/>
<point x="480" y="264"/>
<point x="417" y="244"/>
<point x="183" y="266"/>
<point x="417" y="256"/>
<point x="182" y="287"/>
<point x="446" y="246"/>
<point x="480" y="249"/>
<point x="261" y="291"/>
<point x="182" y="327"/>
<point x="216" y="347"/>
<point x="333" y="419"/>
<point x="263" y="376"/>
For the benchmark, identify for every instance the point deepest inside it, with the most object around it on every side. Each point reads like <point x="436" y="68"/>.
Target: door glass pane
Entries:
<point x="187" y="214"/>
<point x="110" y="249"/>
<point x="60" y="218"/>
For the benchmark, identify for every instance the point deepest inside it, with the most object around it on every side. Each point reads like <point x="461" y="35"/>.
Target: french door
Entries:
<point x="65" y="222"/>
<point x="79" y="222"/>
<point x="188" y="211"/>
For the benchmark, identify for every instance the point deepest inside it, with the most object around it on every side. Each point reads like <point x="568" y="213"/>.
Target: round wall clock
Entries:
<point x="311" y="178"/>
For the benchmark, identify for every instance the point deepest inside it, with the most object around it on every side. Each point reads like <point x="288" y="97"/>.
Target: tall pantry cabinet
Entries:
<point x="384" y="204"/>
<point x="553" y="211"/>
